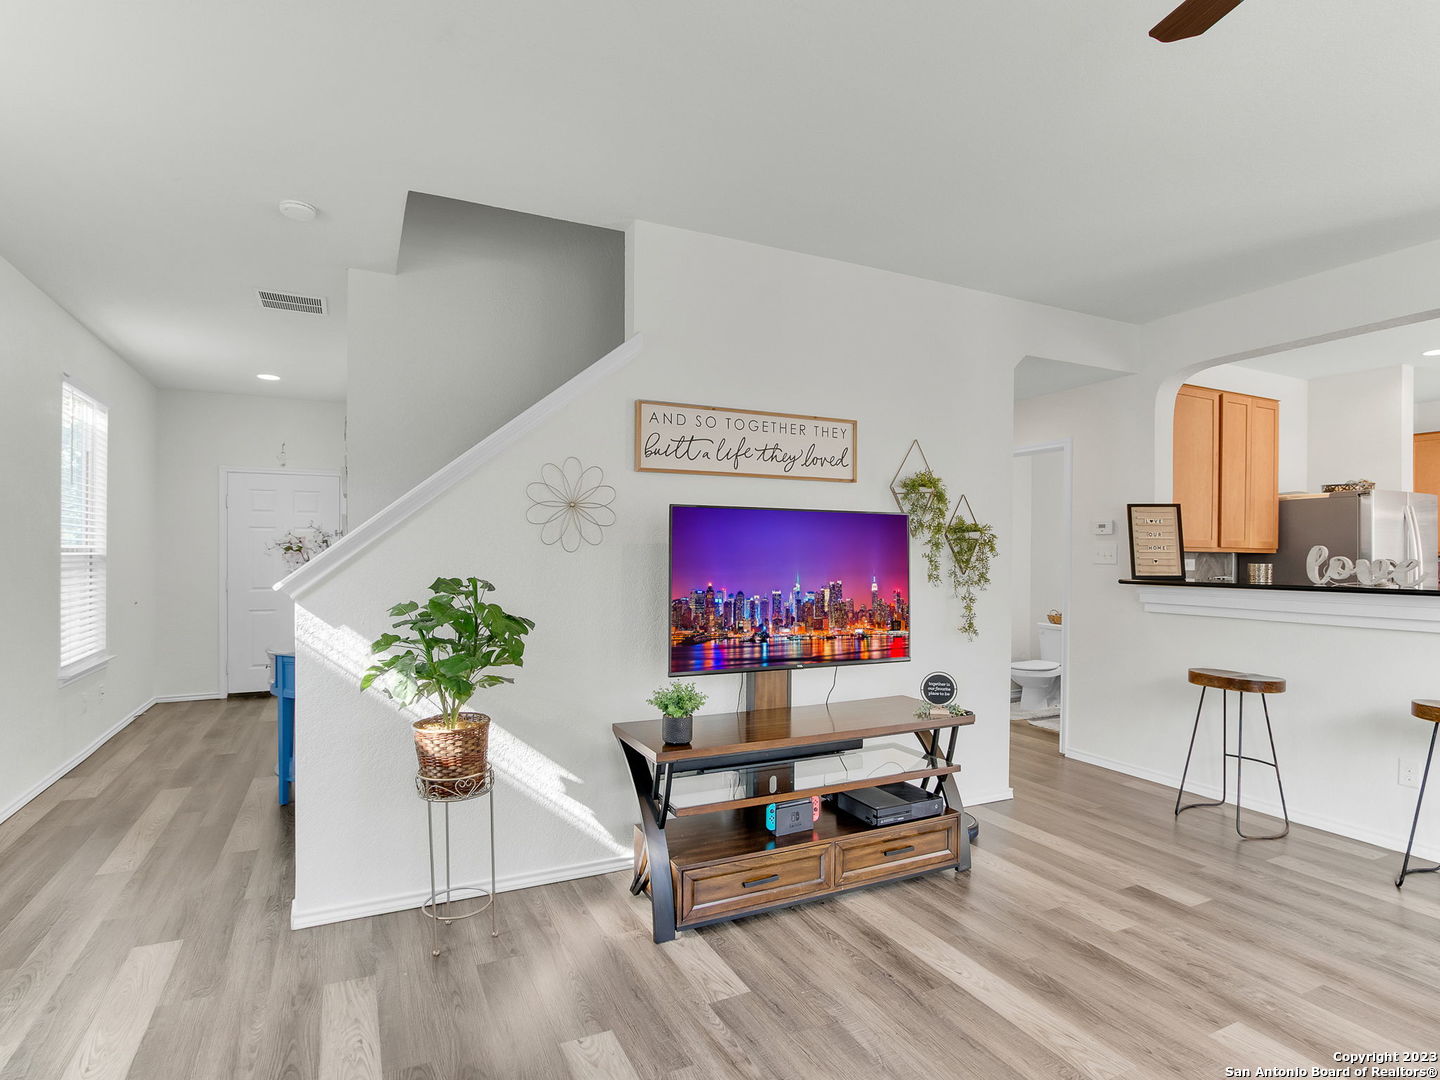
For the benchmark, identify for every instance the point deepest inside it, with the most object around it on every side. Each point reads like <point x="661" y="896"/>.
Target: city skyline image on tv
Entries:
<point x="753" y="588"/>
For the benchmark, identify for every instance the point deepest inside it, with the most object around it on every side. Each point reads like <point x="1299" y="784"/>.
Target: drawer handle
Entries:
<point x="759" y="881"/>
<point x="899" y="850"/>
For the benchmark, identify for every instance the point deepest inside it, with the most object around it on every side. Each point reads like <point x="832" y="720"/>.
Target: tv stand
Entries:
<point x="702" y="851"/>
<point x="766" y="689"/>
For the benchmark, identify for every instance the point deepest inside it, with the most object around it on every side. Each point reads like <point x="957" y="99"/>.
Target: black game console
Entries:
<point x="889" y="804"/>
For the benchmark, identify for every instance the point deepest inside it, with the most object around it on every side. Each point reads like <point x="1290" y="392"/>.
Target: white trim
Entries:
<point x="373" y="529"/>
<point x="78" y="670"/>
<point x="1384" y="610"/>
<point x="1066" y="448"/>
<point x="1003" y="795"/>
<point x="223" y="655"/>
<point x="164" y="698"/>
<point x="1390" y="840"/>
<point x="99" y="741"/>
<point x="384" y="905"/>
<point x="408" y="901"/>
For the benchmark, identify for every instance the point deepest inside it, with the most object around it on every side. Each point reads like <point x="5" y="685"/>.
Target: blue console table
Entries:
<point x="282" y="685"/>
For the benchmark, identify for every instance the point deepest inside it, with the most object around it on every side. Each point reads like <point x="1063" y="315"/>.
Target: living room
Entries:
<point x="755" y="211"/>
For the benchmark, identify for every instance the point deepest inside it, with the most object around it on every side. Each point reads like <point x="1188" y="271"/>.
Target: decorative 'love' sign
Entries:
<point x="1376" y="573"/>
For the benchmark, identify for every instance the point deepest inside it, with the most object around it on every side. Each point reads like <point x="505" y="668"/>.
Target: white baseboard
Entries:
<point x="1391" y="840"/>
<point x="99" y="741"/>
<point x="189" y="697"/>
<point x="1004" y="795"/>
<point x="301" y="919"/>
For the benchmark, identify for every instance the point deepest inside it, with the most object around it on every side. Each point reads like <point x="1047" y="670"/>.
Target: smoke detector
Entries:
<point x="296" y="210"/>
<point x="282" y="301"/>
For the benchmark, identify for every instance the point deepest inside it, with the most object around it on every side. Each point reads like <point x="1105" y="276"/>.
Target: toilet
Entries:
<point x="1039" y="680"/>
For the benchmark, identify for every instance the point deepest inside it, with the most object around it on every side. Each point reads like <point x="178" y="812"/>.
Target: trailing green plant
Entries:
<point x="447" y="646"/>
<point x="924" y="712"/>
<point x="956" y="552"/>
<point x="678" y="699"/>
<point x="972" y="547"/>
<point x="923" y="496"/>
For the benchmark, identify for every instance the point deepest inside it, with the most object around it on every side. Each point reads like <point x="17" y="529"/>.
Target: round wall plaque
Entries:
<point x="938" y="688"/>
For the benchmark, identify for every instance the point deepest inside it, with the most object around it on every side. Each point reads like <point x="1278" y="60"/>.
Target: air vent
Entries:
<point x="280" y="301"/>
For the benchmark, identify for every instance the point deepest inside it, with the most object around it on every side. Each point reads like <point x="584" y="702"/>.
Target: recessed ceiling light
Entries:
<point x="1431" y="352"/>
<point x="296" y="210"/>
<point x="269" y="378"/>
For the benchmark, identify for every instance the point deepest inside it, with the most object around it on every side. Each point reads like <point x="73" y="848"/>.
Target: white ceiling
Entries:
<point x="1365" y="352"/>
<point x="1037" y="148"/>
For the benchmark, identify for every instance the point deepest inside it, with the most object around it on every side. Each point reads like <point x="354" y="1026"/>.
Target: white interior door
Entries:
<point x="259" y="508"/>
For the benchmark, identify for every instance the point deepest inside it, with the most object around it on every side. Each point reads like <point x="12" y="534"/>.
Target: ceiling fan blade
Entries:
<point x="1192" y="18"/>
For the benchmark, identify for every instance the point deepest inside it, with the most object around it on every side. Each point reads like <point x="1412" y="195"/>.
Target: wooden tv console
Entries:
<point x="723" y="863"/>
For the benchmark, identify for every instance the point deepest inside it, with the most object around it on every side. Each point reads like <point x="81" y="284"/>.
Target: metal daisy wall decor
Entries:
<point x="571" y="504"/>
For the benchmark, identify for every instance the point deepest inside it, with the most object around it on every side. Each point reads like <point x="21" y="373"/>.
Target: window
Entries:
<point x="83" y="436"/>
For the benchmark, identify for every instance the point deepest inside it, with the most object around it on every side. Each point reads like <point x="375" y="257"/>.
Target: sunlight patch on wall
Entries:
<point x="517" y="764"/>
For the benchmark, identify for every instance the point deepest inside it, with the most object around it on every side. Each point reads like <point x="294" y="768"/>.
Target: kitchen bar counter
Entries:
<point x="1414" y="610"/>
<point x="1366" y="590"/>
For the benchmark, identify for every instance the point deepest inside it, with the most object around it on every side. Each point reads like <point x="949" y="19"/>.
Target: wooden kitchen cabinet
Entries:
<point x="1427" y="462"/>
<point x="1226" y="462"/>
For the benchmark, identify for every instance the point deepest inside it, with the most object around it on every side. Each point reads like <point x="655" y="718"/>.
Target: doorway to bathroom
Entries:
<point x="1039" y="594"/>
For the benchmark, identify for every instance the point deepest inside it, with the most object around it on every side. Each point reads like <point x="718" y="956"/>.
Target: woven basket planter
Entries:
<point x="447" y="755"/>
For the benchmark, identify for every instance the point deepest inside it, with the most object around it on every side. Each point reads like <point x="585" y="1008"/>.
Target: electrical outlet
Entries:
<point x="1408" y="772"/>
<point x="1104" y="555"/>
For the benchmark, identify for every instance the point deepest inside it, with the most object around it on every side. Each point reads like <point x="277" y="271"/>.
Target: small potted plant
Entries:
<point x="677" y="704"/>
<point x="444" y="651"/>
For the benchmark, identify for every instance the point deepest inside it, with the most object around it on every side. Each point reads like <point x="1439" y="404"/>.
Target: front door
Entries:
<point x="260" y="507"/>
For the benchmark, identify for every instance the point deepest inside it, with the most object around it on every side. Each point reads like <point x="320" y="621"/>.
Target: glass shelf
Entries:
<point x="712" y="790"/>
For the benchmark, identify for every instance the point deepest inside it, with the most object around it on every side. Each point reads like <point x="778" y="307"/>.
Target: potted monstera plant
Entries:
<point x="444" y="650"/>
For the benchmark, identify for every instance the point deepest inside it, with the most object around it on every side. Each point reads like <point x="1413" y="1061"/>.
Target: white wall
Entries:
<point x="198" y="434"/>
<point x="1049" y="542"/>
<point x="1362" y="426"/>
<point x="489" y="312"/>
<point x="1427" y="416"/>
<point x="1017" y="558"/>
<point x="1294" y="397"/>
<point x="1039" y="550"/>
<point x="724" y="323"/>
<point x="48" y="728"/>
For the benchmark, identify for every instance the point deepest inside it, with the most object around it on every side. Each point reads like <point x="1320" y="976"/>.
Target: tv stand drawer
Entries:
<point x="711" y="892"/>
<point x="898" y="849"/>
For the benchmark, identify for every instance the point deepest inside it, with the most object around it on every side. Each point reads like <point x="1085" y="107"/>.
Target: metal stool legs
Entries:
<point x="1420" y="798"/>
<point x="1240" y="758"/>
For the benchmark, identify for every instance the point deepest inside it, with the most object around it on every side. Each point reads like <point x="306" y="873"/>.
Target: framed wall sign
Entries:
<point x="675" y="438"/>
<point x="1157" y="549"/>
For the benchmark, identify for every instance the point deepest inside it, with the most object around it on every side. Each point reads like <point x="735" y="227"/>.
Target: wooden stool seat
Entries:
<point x="1426" y="709"/>
<point x="1240" y="683"/>
<point x="1245" y="682"/>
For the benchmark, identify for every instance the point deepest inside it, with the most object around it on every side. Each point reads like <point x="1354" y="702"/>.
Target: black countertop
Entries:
<point x="1348" y="589"/>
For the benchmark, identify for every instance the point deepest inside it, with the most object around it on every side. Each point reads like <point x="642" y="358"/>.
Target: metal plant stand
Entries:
<point x="444" y="791"/>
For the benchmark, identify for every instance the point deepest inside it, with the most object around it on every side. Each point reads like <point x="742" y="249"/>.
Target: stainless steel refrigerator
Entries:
<point x="1399" y="525"/>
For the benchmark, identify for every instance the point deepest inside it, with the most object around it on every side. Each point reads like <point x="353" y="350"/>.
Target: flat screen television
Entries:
<point x="759" y="589"/>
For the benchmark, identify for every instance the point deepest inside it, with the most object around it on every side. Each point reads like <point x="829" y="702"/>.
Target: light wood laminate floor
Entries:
<point x="144" y="907"/>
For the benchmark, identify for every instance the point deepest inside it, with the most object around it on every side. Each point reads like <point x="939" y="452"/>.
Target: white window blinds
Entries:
<point x="83" y="438"/>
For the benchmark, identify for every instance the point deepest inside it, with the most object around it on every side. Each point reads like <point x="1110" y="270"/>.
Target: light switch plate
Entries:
<point x="1104" y="555"/>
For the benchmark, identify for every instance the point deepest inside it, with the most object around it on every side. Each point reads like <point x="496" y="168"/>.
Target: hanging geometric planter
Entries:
<point x="962" y="550"/>
<point x="921" y="504"/>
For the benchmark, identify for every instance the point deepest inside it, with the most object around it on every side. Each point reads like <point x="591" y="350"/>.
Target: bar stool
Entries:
<point x="1425" y="709"/>
<point x="1242" y="683"/>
